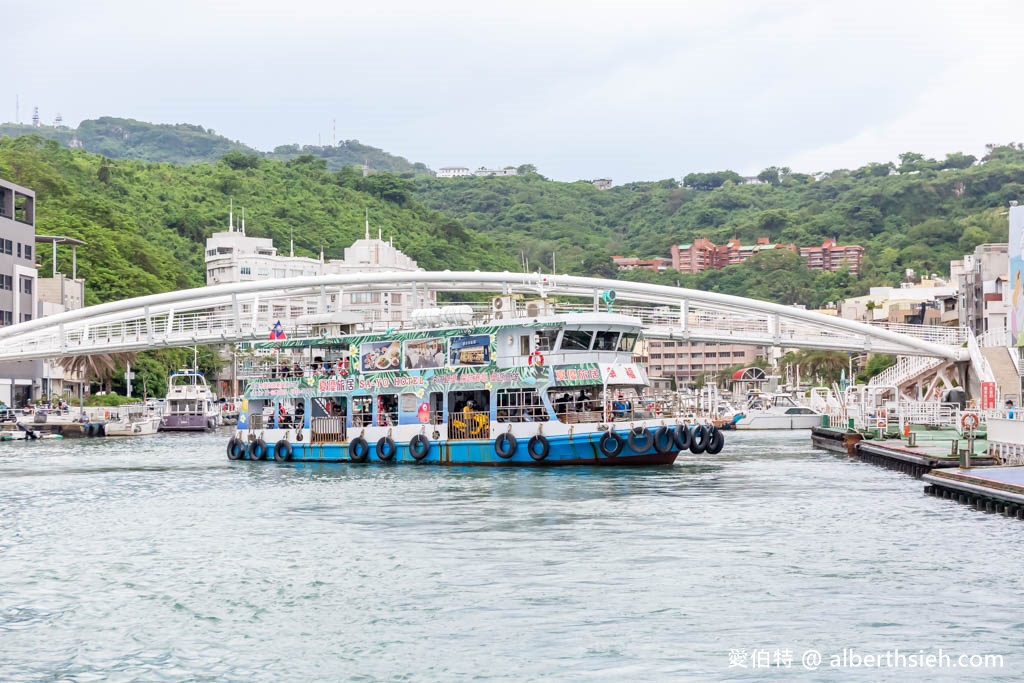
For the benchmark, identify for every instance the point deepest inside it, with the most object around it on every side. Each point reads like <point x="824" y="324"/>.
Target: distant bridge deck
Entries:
<point x="241" y="312"/>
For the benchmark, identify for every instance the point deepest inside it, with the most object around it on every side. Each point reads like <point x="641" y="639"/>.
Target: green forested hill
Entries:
<point x="145" y="223"/>
<point x="185" y="143"/>
<point x="918" y="215"/>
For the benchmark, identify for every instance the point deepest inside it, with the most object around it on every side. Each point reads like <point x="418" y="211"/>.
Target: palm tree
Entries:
<point x="99" y="366"/>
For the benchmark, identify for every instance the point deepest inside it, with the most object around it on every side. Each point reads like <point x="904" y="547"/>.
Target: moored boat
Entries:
<point x="189" y="406"/>
<point x="549" y="390"/>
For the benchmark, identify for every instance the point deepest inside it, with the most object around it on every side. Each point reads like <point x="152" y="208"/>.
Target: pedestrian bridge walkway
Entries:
<point x="245" y="312"/>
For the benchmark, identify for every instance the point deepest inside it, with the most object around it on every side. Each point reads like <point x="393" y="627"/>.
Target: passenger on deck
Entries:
<point x="1010" y="410"/>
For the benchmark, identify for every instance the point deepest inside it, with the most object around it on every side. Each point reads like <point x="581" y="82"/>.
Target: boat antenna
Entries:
<point x="291" y="242"/>
<point x="243" y="220"/>
<point x="195" y="359"/>
<point x="231" y="215"/>
<point x="367" y="223"/>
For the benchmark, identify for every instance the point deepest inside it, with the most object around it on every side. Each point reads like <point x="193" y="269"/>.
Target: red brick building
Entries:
<point x="831" y="256"/>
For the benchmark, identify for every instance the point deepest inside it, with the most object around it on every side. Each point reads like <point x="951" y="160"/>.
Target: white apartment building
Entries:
<point x="234" y="256"/>
<point x="453" y="172"/>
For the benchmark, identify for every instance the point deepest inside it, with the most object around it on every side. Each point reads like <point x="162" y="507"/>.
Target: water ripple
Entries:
<point x="160" y="560"/>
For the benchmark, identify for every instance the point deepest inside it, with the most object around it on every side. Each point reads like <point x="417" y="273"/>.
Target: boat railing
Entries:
<point x="256" y="421"/>
<point x="473" y="424"/>
<point x="327" y="430"/>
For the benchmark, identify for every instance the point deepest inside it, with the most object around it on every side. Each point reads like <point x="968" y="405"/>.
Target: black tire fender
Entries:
<point x="506" y="445"/>
<point x="611" y="444"/>
<point x="257" y="449"/>
<point x="358" y="449"/>
<point x="640" y="440"/>
<point x="683" y="437"/>
<point x="717" y="443"/>
<point x="236" y="449"/>
<point x="701" y="439"/>
<point x="282" y="451"/>
<point x="386" y="448"/>
<point x="664" y="440"/>
<point x="540" y="453"/>
<point x="419" y="447"/>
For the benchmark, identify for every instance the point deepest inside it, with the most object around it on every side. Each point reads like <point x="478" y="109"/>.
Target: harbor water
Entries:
<point x="158" y="559"/>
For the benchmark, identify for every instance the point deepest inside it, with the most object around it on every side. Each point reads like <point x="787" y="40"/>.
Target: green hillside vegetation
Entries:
<point x="185" y="143"/>
<point x="919" y="214"/>
<point x="145" y="224"/>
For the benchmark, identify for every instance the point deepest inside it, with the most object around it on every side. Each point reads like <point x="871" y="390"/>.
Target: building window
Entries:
<point x="25" y="317"/>
<point x="364" y="297"/>
<point x="28" y="251"/>
<point x="26" y="285"/>
<point x="6" y="282"/>
<point x="6" y="247"/>
<point x="246" y="270"/>
<point x="19" y="249"/>
<point x="5" y="317"/>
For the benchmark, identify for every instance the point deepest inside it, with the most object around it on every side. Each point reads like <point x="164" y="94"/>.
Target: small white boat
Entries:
<point x="132" y="423"/>
<point x="776" y="412"/>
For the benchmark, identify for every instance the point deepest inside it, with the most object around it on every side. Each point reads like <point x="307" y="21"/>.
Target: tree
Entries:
<point x="771" y="175"/>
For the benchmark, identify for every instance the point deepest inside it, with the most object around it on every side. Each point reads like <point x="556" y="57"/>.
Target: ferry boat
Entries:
<point x="189" y="406"/>
<point x="549" y="390"/>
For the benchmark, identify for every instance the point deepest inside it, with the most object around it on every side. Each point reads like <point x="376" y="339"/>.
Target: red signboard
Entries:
<point x="988" y="395"/>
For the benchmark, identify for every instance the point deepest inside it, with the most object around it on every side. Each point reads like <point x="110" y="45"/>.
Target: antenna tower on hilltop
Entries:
<point x="35" y="117"/>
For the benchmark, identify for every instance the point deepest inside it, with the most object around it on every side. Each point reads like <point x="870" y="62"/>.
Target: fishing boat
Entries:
<point x="189" y="406"/>
<point x="547" y="390"/>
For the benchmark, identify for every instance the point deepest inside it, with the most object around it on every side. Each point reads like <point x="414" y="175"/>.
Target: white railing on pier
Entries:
<point x="978" y="360"/>
<point x="905" y="369"/>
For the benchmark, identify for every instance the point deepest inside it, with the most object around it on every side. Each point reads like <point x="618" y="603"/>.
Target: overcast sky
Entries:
<point x="630" y="91"/>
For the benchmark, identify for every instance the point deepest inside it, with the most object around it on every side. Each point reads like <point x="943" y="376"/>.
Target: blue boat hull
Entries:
<point x="563" y="450"/>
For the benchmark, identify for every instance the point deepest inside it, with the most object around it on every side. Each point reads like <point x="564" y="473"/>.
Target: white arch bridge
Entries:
<point x="244" y="312"/>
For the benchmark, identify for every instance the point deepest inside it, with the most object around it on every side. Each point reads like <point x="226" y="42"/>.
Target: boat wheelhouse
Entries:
<point x="551" y="390"/>
<point x="189" y="406"/>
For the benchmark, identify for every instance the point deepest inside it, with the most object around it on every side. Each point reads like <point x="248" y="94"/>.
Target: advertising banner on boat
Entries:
<point x="470" y="350"/>
<point x="379" y="356"/>
<point x="1016" y="249"/>
<point x="603" y="373"/>
<point x="424" y="353"/>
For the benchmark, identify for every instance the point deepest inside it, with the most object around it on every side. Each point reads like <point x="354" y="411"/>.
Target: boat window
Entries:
<point x="606" y="341"/>
<point x="469" y="415"/>
<point x="799" y="411"/>
<point x="519" y="405"/>
<point x="524" y="345"/>
<point x="545" y="339"/>
<point x="576" y="340"/>
<point x="362" y="411"/>
<point x="627" y="342"/>
<point x="387" y="410"/>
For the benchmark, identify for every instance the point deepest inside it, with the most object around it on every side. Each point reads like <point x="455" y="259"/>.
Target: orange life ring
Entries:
<point x="969" y="420"/>
<point x="536" y="358"/>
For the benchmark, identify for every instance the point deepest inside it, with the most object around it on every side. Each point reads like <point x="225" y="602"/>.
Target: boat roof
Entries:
<point x="597" y="320"/>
